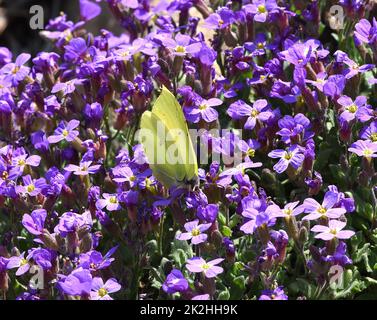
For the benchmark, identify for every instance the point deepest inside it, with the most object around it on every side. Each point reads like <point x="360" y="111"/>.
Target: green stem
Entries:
<point x="160" y="236"/>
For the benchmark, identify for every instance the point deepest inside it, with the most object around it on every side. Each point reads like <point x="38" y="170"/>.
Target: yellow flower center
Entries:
<point x="273" y="296"/>
<point x="221" y="22"/>
<point x="352" y="108"/>
<point x="288" y="212"/>
<point x="206" y="266"/>
<point x="23" y="262"/>
<point x="251" y="153"/>
<point x="254" y="113"/>
<point x="195" y="232"/>
<point x="288" y="156"/>
<point x="321" y="210"/>
<point x="15" y="70"/>
<point x="373" y="137"/>
<point x="262" y="77"/>
<point x="203" y="106"/>
<point x="21" y="162"/>
<point x="65" y="133"/>
<point x="260" y="45"/>
<point x="148" y="182"/>
<point x="5" y="175"/>
<point x="333" y="231"/>
<point x="102" y="292"/>
<point x="262" y="8"/>
<point x="113" y="200"/>
<point x="30" y="188"/>
<point x="368" y="152"/>
<point x="180" y="49"/>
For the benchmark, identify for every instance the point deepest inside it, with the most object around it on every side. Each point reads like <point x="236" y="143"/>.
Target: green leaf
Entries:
<point x="224" y="295"/>
<point x="226" y="231"/>
<point x="238" y="288"/>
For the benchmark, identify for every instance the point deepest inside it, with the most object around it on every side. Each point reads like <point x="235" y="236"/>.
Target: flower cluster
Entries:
<point x="80" y="206"/>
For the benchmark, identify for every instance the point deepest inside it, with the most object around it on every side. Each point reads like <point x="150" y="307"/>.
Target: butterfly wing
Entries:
<point x="155" y="144"/>
<point x="170" y="112"/>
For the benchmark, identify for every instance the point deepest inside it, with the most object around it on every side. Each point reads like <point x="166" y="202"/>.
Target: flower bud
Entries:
<point x="49" y="241"/>
<point x="264" y="234"/>
<point x="86" y="243"/>
<point x="303" y="236"/>
<point x="292" y="228"/>
<point x="217" y="238"/>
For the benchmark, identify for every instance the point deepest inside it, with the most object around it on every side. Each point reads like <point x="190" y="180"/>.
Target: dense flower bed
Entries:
<point x="82" y="217"/>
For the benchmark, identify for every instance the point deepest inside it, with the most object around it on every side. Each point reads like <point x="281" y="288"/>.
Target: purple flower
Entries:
<point x="208" y="212"/>
<point x="124" y="174"/>
<point x="78" y="283"/>
<point x="289" y="210"/>
<point x="259" y="111"/>
<point x="365" y="32"/>
<point x="291" y="128"/>
<point x="334" y="230"/>
<point x="46" y="62"/>
<point x="326" y="209"/>
<point x="110" y="201"/>
<point x="319" y="82"/>
<point x="89" y="10"/>
<point x="32" y="187"/>
<point x="353" y="68"/>
<point x="34" y="223"/>
<point x="39" y="141"/>
<point x="5" y="56"/>
<point x="201" y="297"/>
<point x="94" y="261"/>
<point x="364" y="148"/>
<point x="299" y="54"/>
<point x="221" y="19"/>
<point x="249" y="147"/>
<point x="16" y="72"/>
<point x="22" y="160"/>
<point x="71" y="222"/>
<point x="355" y="109"/>
<point x="292" y="156"/>
<point x="210" y="268"/>
<point x="194" y="232"/>
<point x="180" y="46"/>
<point x="261" y="8"/>
<point x="65" y="132"/>
<point x="66" y="87"/>
<point x="83" y="169"/>
<point x="20" y="263"/>
<point x="203" y="110"/>
<point x="276" y="294"/>
<point x="334" y="86"/>
<point x="76" y="49"/>
<point x="253" y="210"/>
<point x="100" y="290"/>
<point x="175" y="282"/>
<point x="369" y="132"/>
<point x="340" y="255"/>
